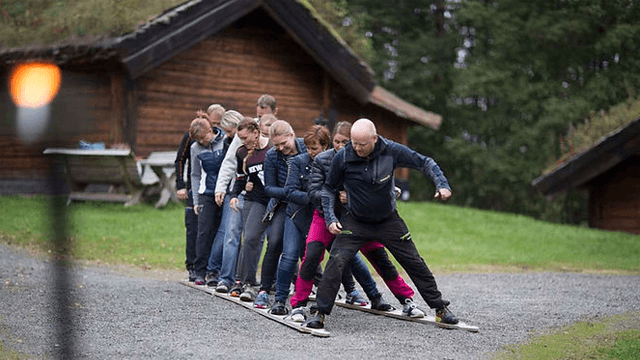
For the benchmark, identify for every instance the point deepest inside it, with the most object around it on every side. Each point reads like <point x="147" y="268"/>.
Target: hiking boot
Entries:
<point x="379" y="304"/>
<point x="410" y="309"/>
<point x="199" y="280"/>
<point x="279" y="308"/>
<point x="236" y="289"/>
<point x="248" y="294"/>
<point x="262" y="300"/>
<point x="222" y="288"/>
<point x="355" y="298"/>
<point x="211" y="279"/>
<point x="445" y="316"/>
<point x="316" y="322"/>
<point x="297" y="314"/>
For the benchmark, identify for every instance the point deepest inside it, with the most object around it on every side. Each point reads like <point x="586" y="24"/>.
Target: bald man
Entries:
<point x="364" y="168"/>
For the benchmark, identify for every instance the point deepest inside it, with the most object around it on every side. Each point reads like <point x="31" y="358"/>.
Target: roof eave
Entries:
<point x="403" y="109"/>
<point x="578" y="170"/>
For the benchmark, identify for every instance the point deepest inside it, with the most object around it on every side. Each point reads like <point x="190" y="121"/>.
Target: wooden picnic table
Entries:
<point x="162" y="165"/>
<point x="103" y="175"/>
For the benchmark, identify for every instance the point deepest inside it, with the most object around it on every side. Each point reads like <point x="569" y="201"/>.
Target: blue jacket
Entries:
<point x="369" y="182"/>
<point x="205" y="164"/>
<point x="299" y="207"/>
<point x="276" y="169"/>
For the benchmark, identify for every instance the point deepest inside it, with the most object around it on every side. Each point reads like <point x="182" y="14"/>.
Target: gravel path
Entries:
<point x="152" y="316"/>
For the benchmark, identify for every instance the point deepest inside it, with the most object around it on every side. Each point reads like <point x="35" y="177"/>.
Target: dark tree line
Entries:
<point x="508" y="77"/>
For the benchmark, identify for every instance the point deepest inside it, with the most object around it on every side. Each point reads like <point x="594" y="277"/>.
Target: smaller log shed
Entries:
<point x="610" y="172"/>
<point x="142" y="89"/>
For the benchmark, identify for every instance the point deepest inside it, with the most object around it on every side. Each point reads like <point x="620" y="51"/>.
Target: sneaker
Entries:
<point x="192" y="275"/>
<point x="262" y="300"/>
<point x="297" y="314"/>
<point x="410" y="309"/>
<point x="236" y="289"/>
<point x="444" y="315"/>
<point x="379" y="304"/>
<point x="248" y="294"/>
<point x="279" y="308"/>
<point x="355" y="298"/>
<point x="222" y="288"/>
<point x="316" y="322"/>
<point x="199" y="280"/>
<point x="211" y="279"/>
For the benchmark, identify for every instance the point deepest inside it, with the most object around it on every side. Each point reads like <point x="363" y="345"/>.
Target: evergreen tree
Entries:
<point x="508" y="77"/>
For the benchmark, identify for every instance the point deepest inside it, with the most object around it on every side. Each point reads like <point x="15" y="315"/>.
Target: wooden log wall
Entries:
<point x="234" y="68"/>
<point x="81" y="111"/>
<point x="614" y="201"/>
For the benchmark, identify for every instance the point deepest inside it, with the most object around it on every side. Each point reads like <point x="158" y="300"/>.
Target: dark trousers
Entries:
<point x="191" y="225"/>
<point x="394" y="235"/>
<point x="208" y="221"/>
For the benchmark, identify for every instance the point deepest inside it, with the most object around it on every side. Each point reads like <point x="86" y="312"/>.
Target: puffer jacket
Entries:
<point x="276" y="170"/>
<point x="320" y="167"/>
<point x="299" y="206"/>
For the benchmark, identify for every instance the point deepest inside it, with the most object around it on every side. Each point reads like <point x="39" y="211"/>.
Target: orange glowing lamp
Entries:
<point x="35" y="84"/>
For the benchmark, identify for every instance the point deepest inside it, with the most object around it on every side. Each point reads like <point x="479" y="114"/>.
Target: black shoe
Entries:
<point x="316" y="322"/>
<point x="279" y="308"/>
<point x="211" y="279"/>
<point x="192" y="275"/>
<point x="379" y="304"/>
<point x="445" y="316"/>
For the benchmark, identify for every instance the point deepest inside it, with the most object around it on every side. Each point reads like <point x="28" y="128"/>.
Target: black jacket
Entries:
<point x="369" y="182"/>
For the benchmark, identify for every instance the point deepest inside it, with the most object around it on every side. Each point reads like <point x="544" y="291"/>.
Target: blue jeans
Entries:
<point x="231" y="239"/>
<point x="292" y="246"/>
<point x="215" y="259"/>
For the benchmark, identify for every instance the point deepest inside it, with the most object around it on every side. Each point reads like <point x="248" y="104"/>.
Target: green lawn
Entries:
<point x="450" y="238"/>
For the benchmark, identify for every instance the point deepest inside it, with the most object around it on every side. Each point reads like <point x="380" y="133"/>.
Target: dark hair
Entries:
<point x="267" y="100"/>
<point x="317" y="133"/>
<point x="343" y="128"/>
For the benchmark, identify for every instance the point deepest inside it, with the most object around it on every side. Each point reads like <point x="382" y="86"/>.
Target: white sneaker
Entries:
<point x="410" y="309"/>
<point x="297" y="315"/>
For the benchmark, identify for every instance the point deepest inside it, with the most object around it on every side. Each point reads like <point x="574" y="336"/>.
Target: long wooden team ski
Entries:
<point x="282" y="319"/>
<point x="396" y="313"/>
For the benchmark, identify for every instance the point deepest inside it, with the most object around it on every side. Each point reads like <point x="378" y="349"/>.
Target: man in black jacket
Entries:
<point x="364" y="168"/>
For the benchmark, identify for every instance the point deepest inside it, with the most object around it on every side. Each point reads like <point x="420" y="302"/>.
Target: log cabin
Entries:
<point x="610" y="172"/>
<point x="142" y="89"/>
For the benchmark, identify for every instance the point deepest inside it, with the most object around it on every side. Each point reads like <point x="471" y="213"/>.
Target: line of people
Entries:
<point x="252" y="181"/>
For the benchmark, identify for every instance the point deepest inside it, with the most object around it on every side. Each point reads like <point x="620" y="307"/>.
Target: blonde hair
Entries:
<point x="280" y="127"/>
<point x="231" y="119"/>
<point x="216" y="109"/>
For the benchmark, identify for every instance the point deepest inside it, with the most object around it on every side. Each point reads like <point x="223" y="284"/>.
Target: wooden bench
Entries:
<point x="103" y="175"/>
